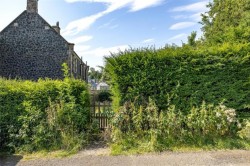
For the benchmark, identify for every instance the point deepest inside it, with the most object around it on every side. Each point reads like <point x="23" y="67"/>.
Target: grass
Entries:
<point x="40" y="154"/>
<point x="142" y="146"/>
<point x="47" y="154"/>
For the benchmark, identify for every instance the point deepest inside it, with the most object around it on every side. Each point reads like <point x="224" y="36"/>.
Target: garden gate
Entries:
<point x="99" y="110"/>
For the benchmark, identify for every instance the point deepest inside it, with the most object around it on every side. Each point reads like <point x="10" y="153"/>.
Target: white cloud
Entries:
<point x="182" y="25"/>
<point x="77" y="26"/>
<point x="102" y="51"/>
<point x="194" y="11"/>
<point x="102" y="1"/>
<point x="196" y="16"/>
<point x="179" y="36"/>
<point x="109" y="25"/>
<point x="82" y="48"/>
<point x="195" y="7"/>
<point x="148" y="41"/>
<point x="95" y="56"/>
<point x="176" y="17"/>
<point x="142" y="4"/>
<point x="106" y="25"/>
<point x="82" y="39"/>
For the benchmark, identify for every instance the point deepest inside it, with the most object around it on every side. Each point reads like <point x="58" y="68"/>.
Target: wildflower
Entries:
<point x="230" y="120"/>
<point x="218" y="126"/>
<point x="223" y="107"/>
<point x="230" y="112"/>
<point x="218" y="114"/>
<point x="239" y="125"/>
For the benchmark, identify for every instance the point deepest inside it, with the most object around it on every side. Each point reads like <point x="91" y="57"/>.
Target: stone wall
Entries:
<point x="79" y="69"/>
<point x="30" y="49"/>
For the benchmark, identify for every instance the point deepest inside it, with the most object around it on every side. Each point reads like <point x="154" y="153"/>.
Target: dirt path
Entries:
<point x="100" y="157"/>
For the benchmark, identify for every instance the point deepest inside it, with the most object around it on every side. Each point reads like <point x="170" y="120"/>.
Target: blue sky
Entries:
<point x="98" y="27"/>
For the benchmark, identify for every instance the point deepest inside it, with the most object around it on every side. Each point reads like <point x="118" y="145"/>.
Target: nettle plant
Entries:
<point x="201" y="124"/>
<point x="212" y="121"/>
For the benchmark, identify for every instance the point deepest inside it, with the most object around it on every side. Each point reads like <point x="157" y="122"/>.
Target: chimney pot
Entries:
<point x="57" y="27"/>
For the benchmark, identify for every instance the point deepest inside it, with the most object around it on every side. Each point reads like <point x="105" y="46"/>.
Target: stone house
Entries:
<point x="30" y="48"/>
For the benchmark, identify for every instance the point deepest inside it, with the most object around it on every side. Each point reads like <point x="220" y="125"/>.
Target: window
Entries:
<point x="80" y="69"/>
<point x="76" y="65"/>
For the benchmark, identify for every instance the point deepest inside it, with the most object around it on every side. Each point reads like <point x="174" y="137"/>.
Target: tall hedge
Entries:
<point x="42" y="115"/>
<point x="184" y="76"/>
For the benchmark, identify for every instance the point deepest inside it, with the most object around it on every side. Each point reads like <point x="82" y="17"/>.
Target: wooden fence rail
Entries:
<point x="99" y="110"/>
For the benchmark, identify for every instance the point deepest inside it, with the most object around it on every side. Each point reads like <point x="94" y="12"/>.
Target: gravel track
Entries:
<point x="101" y="157"/>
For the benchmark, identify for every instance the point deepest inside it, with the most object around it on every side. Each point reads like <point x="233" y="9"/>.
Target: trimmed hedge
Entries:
<point x="47" y="114"/>
<point x="184" y="76"/>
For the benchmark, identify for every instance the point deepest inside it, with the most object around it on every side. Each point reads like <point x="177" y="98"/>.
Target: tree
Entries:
<point x="227" y="21"/>
<point x="95" y="74"/>
<point x="98" y="75"/>
<point x="104" y="76"/>
<point x="191" y="38"/>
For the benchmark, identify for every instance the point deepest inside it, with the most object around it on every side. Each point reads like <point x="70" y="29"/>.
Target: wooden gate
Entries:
<point x="99" y="110"/>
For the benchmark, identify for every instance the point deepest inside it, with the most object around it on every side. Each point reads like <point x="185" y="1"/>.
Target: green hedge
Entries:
<point x="183" y="75"/>
<point x="48" y="114"/>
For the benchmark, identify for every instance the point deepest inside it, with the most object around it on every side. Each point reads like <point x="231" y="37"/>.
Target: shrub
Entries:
<point x="148" y="129"/>
<point x="104" y="96"/>
<point x="43" y="115"/>
<point x="185" y="75"/>
<point x="245" y="132"/>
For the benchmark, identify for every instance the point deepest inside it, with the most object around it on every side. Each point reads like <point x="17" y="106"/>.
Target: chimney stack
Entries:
<point x="57" y="28"/>
<point x="71" y="46"/>
<point x="32" y="6"/>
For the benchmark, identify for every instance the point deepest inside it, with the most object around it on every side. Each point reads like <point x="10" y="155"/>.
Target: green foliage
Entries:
<point x="145" y="129"/>
<point x="245" y="132"/>
<point x="95" y="74"/>
<point x="227" y="21"/>
<point x="185" y="76"/>
<point x="65" y="70"/>
<point x="98" y="75"/>
<point x="191" y="38"/>
<point x="43" y="115"/>
<point x="104" y="96"/>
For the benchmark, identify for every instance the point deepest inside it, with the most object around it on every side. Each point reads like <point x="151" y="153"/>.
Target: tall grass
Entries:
<point x="144" y="128"/>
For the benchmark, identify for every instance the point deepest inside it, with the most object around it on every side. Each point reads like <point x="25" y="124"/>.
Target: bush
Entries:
<point x="104" y="96"/>
<point x="148" y="129"/>
<point x="245" y="132"/>
<point x="43" y="115"/>
<point x="186" y="76"/>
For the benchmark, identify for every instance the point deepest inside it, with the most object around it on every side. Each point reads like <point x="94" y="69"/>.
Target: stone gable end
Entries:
<point x="30" y="49"/>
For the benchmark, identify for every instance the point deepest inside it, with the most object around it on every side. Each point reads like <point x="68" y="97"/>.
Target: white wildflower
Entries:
<point x="218" y="114"/>
<point x="223" y="107"/>
<point x="230" y="120"/>
<point x="230" y="112"/>
<point x="218" y="126"/>
<point x="239" y="125"/>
